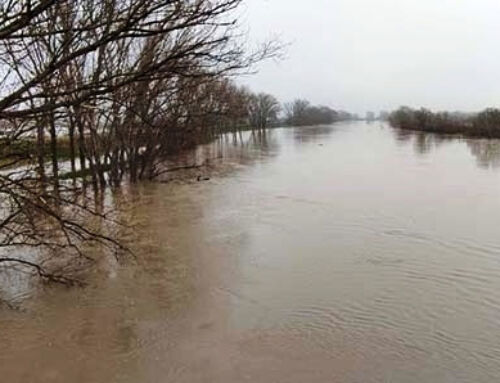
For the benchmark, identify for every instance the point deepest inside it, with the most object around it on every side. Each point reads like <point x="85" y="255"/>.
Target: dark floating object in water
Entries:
<point x="203" y="178"/>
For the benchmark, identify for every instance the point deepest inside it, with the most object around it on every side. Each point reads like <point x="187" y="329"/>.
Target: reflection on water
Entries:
<point x="423" y="142"/>
<point x="487" y="152"/>
<point x="314" y="134"/>
<point x="349" y="253"/>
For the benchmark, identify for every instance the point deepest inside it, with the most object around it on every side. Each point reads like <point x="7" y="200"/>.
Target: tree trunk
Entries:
<point x="40" y="141"/>
<point x="72" y="152"/>
<point x="54" y="152"/>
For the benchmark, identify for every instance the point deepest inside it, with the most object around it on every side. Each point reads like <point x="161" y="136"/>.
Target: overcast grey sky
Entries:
<point x="379" y="54"/>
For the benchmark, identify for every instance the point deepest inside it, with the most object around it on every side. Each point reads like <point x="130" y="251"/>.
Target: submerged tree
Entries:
<point x="263" y="110"/>
<point x="114" y="86"/>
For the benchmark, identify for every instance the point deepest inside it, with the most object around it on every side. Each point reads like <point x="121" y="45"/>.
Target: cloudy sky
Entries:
<point x="364" y="55"/>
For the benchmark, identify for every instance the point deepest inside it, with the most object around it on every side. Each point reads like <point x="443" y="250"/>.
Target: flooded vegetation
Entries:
<point x="167" y="216"/>
<point x="484" y="124"/>
<point x="352" y="252"/>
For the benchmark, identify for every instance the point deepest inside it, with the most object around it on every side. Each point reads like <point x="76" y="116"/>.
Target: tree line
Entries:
<point x="483" y="124"/>
<point x="301" y="113"/>
<point x="93" y="92"/>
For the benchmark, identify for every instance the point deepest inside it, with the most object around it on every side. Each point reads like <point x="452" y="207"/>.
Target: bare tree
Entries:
<point x="118" y="82"/>
<point x="263" y="110"/>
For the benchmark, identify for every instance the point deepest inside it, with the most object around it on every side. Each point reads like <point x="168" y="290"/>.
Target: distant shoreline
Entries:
<point x="485" y="124"/>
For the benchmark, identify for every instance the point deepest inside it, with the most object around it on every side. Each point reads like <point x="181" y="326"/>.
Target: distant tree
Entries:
<point x="296" y="112"/>
<point x="263" y="110"/>
<point x="346" y="116"/>
<point x="403" y="118"/>
<point x="301" y="112"/>
<point x="483" y="124"/>
<point x="487" y="123"/>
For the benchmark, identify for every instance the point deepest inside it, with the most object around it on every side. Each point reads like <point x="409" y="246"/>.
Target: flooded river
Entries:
<point x="351" y="253"/>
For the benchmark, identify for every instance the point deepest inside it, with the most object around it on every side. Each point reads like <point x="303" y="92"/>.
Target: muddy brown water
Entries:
<point x="345" y="253"/>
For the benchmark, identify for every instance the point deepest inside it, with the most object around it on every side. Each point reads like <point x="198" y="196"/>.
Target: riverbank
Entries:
<point x="485" y="124"/>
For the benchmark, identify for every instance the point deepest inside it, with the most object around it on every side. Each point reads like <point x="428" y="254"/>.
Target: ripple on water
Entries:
<point x="300" y="265"/>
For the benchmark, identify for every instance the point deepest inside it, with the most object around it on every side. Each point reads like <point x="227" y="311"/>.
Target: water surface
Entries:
<point x="343" y="253"/>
